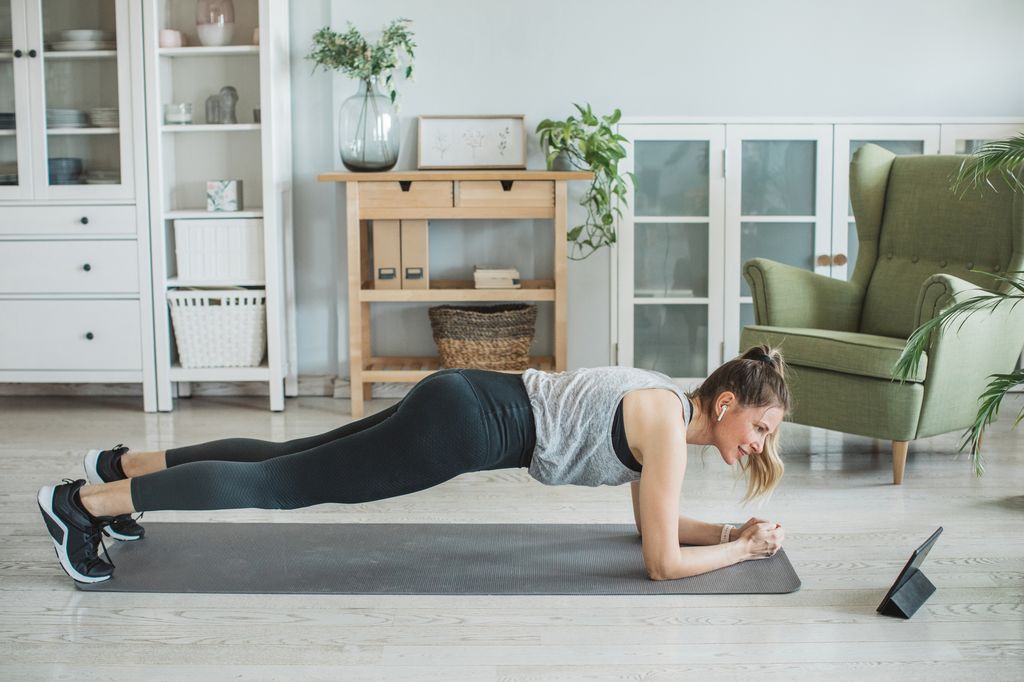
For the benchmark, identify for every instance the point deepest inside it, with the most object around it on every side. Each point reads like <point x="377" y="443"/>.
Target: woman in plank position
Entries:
<point x="601" y="426"/>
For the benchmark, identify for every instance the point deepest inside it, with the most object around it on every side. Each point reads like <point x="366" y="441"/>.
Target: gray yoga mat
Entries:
<point x="429" y="558"/>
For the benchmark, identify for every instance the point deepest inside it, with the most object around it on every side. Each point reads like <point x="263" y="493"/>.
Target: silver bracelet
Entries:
<point x="724" y="537"/>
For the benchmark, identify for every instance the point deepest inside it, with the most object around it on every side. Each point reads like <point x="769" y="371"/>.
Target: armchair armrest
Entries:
<point x="964" y="351"/>
<point x="787" y="296"/>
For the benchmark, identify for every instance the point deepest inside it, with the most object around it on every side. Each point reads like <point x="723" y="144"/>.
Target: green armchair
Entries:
<point x="918" y="245"/>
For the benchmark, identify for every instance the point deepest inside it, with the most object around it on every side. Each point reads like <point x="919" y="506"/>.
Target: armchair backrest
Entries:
<point x="911" y="225"/>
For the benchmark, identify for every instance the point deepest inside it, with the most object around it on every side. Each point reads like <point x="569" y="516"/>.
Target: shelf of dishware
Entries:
<point x="226" y="50"/>
<point x="83" y="131"/>
<point x="81" y="54"/>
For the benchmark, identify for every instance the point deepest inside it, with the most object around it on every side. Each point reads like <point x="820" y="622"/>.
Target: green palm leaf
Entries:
<point x="1003" y="157"/>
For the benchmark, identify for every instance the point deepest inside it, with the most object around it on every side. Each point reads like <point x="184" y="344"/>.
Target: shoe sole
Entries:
<point x="55" y="526"/>
<point x="111" y="533"/>
<point x="92" y="474"/>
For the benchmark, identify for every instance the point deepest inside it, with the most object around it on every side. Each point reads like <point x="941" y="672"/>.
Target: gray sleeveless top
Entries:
<point x="573" y="413"/>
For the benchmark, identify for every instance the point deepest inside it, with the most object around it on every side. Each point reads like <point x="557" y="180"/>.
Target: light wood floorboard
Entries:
<point x="849" y="531"/>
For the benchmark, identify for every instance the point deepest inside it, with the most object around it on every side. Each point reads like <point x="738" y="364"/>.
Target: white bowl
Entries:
<point x="215" y="35"/>
<point x="76" y="34"/>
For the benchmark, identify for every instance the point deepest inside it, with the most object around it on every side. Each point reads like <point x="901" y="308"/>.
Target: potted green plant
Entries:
<point x="590" y="143"/>
<point x="1005" y="157"/>
<point x="368" y="131"/>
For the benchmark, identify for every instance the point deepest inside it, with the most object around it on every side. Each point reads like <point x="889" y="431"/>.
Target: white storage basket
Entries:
<point x="219" y="250"/>
<point x="219" y="328"/>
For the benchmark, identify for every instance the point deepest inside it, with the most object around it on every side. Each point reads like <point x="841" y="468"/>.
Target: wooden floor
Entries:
<point x="849" y="531"/>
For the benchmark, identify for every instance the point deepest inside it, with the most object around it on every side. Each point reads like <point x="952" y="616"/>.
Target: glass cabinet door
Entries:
<point x="778" y="180"/>
<point x="670" y="250"/>
<point x="899" y="139"/>
<point x="15" y="125"/>
<point x="81" y="101"/>
<point x="968" y="138"/>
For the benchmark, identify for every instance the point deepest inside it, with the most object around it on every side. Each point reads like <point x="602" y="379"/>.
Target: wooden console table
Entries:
<point x="425" y="195"/>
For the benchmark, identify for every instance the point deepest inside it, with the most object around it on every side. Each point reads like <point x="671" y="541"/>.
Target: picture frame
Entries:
<point x="471" y="142"/>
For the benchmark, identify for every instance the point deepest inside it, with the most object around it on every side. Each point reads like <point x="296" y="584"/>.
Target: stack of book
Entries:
<point x="496" y="278"/>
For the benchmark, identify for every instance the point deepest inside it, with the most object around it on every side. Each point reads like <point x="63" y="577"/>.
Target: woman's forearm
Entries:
<point x="697" y="560"/>
<point x="694" y="532"/>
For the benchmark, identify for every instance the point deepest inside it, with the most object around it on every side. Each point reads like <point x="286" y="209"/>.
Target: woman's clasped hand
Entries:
<point x="763" y="538"/>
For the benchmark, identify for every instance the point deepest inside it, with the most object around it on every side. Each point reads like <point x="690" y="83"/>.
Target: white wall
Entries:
<point x="744" y="58"/>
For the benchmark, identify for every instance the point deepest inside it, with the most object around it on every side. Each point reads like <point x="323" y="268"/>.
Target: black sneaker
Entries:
<point x="76" y="533"/>
<point x="124" y="528"/>
<point x="104" y="466"/>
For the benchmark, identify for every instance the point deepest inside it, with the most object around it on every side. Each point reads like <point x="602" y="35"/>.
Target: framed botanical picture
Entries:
<point x="471" y="142"/>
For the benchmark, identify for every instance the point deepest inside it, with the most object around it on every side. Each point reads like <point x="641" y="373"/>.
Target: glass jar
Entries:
<point x="215" y="22"/>
<point x="368" y="130"/>
<point x="178" y="113"/>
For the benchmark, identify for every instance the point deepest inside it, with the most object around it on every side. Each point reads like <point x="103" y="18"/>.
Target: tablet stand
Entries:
<point x="909" y="596"/>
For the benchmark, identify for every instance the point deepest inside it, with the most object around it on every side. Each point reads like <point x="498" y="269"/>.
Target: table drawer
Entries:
<point x="55" y="335"/>
<point x="493" y="194"/>
<point x="73" y="221"/>
<point x="419" y="194"/>
<point x="71" y="267"/>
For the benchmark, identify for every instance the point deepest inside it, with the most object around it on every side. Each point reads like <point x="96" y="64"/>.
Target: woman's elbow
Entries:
<point x="658" y="571"/>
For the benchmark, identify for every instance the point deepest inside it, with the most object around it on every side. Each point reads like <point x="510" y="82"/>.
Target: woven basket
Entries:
<point x="494" y="337"/>
<point x="222" y="328"/>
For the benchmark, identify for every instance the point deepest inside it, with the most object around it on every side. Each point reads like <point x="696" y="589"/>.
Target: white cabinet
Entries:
<point x="254" y="150"/>
<point x="712" y="195"/>
<point x="74" y="238"/>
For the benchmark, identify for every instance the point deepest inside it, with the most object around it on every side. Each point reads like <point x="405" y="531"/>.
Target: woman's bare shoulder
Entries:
<point x="651" y="414"/>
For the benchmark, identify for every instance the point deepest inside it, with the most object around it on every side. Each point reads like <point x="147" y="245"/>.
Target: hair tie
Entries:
<point x="765" y="358"/>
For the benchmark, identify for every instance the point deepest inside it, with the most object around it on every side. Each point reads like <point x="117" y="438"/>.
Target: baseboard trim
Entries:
<point x="314" y="385"/>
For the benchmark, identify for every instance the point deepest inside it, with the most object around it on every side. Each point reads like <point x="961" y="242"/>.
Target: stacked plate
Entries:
<point x="83" y="39"/>
<point x="9" y="173"/>
<point x="102" y="177"/>
<point x="103" y="117"/>
<point x="6" y="120"/>
<point x="65" y="171"/>
<point x="66" y="118"/>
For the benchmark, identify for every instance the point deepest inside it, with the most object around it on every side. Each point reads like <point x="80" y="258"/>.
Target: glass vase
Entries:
<point x="368" y="130"/>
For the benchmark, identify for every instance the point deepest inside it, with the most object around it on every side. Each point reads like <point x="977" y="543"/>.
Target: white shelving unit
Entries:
<point x="182" y="157"/>
<point x="75" y="291"/>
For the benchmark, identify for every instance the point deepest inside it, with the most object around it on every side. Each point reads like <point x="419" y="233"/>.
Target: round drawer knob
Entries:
<point x="89" y="335"/>
<point x="17" y="54"/>
<point x="839" y="259"/>
<point x="32" y="53"/>
<point x="823" y="260"/>
<point x="87" y="267"/>
<point x="84" y="220"/>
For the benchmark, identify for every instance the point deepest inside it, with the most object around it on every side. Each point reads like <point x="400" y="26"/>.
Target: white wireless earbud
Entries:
<point x="722" y="412"/>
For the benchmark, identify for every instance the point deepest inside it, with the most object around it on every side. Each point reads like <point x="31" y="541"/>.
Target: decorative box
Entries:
<point x="223" y="195"/>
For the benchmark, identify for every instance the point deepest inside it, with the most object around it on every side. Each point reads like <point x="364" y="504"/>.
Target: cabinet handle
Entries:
<point x="89" y="336"/>
<point x="824" y="259"/>
<point x="839" y="259"/>
<point x="87" y="267"/>
<point x="17" y="54"/>
<point x="84" y="220"/>
<point x="31" y="53"/>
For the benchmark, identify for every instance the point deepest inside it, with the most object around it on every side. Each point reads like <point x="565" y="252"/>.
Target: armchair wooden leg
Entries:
<point x="899" y="460"/>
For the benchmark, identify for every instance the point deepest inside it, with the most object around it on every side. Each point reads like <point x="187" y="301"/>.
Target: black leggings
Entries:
<point x="453" y="422"/>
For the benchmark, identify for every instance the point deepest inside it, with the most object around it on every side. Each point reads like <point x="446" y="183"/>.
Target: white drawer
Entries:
<point x="72" y="267"/>
<point x="73" y="221"/>
<point x="54" y="335"/>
